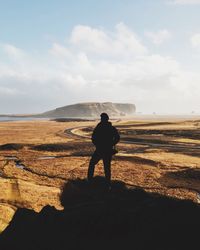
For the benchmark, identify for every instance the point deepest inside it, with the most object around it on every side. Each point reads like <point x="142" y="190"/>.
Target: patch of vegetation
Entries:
<point x="11" y="146"/>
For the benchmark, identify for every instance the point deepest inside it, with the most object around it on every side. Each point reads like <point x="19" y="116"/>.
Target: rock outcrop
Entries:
<point x="92" y="109"/>
<point x="97" y="218"/>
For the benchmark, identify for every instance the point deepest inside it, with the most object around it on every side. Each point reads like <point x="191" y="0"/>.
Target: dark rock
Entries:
<point x="99" y="218"/>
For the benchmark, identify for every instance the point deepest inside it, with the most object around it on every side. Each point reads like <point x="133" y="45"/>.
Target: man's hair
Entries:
<point x="104" y="117"/>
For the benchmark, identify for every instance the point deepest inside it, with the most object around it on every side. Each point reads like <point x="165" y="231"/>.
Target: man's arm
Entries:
<point x="116" y="137"/>
<point x="94" y="136"/>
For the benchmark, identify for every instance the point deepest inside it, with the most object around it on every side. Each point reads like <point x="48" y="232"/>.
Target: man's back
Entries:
<point x="105" y="135"/>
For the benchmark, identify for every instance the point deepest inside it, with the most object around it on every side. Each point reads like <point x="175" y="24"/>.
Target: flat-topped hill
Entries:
<point x="92" y="109"/>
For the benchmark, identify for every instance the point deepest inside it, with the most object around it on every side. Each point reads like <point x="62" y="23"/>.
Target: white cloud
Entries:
<point x="8" y="91"/>
<point x="195" y="40"/>
<point x="60" y="51"/>
<point x="184" y="2"/>
<point x="158" y="37"/>
<point x="13" y="51"/>
<point x="121" y="42"/>
<point x="96" y="65"/>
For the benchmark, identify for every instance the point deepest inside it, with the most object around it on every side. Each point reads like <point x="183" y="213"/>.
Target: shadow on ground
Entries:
<point x="188" y="179"/>
<point x="187" y="151"/>
<point x="57" y="147"/>
<point x="11" y="146"/>
<point x="97" y="218"/>
<point x="192" y="174"/>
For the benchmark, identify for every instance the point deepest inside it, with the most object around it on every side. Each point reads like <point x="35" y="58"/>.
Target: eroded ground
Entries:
<point x="38" y="157"/>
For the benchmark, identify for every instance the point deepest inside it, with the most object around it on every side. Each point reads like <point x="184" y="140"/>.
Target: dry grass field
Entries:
<point x="38" y="157"/>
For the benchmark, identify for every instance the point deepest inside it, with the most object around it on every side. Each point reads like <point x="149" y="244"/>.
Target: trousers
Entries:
<point x="96" y="157"/>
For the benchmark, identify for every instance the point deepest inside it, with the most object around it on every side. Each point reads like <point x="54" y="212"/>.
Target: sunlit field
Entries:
<point x="38" y="157"/>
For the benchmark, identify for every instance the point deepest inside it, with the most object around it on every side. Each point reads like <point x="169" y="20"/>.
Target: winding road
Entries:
<point x="72" y="133"/>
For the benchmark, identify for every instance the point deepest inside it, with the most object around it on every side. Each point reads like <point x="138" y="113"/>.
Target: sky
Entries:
<point x="59" y="52"/>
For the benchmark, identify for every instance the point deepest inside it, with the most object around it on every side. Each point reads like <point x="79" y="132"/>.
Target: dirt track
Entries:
<point x="72" y="133"/>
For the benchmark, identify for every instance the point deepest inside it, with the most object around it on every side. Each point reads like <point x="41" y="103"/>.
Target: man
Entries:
<point x="104" y="137"/>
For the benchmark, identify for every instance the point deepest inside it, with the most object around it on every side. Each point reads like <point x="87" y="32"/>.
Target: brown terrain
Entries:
<point x="37" y="158"/>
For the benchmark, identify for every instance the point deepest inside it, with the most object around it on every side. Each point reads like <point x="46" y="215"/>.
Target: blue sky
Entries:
<point x="29" y="23"/>
<point x="56" y="52"/>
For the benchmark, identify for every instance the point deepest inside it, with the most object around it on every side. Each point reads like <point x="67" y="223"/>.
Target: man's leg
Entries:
<point x="107" y="167"/>
<point x="94" y="160"/>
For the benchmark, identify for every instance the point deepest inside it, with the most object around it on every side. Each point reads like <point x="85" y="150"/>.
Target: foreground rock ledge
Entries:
<point x="97" y="218"/>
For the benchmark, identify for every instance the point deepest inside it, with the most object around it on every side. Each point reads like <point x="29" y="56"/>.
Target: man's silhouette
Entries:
<point x="104" y="137"/>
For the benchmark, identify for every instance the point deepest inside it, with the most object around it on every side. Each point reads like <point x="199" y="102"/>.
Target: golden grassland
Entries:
<point x="38" y="157"/>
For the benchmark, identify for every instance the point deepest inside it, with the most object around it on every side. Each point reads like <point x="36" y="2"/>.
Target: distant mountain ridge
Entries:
<point x="92" y="109"/>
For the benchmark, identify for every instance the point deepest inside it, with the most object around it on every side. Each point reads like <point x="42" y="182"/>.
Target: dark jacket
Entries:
<point x="105" y="136"/>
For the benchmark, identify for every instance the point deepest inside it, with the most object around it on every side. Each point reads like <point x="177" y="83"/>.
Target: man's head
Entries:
<point x="104" y="117"/>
